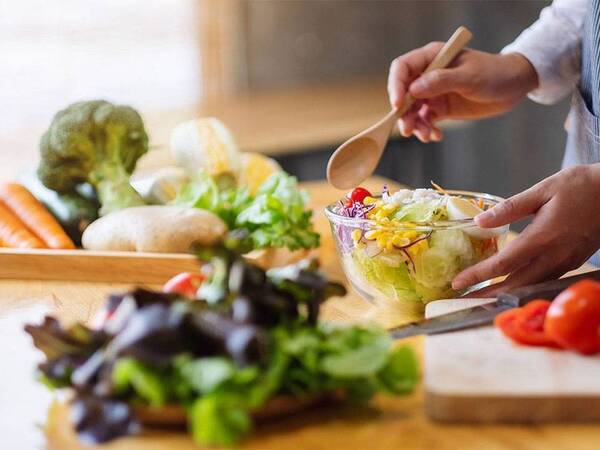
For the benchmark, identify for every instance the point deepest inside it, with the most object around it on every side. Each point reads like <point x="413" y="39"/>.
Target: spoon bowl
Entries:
<point x="357" y="158"/>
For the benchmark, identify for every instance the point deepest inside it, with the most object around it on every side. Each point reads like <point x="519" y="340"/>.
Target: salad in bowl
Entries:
<point x="409" y="245"/>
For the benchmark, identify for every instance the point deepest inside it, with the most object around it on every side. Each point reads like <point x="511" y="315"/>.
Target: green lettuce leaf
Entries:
<point x="276" y="217"/>
<point x="145" y="381"/>
<point x="219" y="419"/>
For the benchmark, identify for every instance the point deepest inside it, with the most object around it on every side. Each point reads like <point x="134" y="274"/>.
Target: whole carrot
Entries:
<point x="14" y="233"/>
<point x="34" y="215"/>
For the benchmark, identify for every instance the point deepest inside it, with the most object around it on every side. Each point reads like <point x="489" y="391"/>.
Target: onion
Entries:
<point x="372" y="250"/>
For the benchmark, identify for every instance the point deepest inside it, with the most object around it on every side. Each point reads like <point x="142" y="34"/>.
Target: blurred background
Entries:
<point x="291" y="79"/>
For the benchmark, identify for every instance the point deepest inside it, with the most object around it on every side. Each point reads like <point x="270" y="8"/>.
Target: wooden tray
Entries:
<point x="87" y="265"/>
<point x="119" y="267"/>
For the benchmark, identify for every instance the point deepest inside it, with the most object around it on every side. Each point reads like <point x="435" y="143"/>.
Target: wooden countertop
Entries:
<point x="388" y="423"/>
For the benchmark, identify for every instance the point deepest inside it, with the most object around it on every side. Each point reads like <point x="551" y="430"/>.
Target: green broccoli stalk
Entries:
<point x="98" y="143"/>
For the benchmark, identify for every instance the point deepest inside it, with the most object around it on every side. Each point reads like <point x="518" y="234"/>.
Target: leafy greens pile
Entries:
<point x="223" y="362"/>
<point x="275" y="217"/>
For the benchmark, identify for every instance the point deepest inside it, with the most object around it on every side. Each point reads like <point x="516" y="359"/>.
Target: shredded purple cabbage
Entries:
<point x="357" y="210"/>
<point x="344" y="232"/>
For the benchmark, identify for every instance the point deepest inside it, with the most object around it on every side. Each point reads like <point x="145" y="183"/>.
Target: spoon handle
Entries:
<point x="447" y="53"/>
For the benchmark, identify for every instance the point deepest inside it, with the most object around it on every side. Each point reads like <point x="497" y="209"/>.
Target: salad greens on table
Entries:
<point x="275" y="217"/>
<point x="223" y="361"/>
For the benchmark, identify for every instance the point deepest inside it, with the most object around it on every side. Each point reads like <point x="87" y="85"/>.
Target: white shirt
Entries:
<point x="553" y="45"/>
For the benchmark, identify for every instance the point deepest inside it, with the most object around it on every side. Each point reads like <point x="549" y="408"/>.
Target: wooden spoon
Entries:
<point x="357" y="158"/>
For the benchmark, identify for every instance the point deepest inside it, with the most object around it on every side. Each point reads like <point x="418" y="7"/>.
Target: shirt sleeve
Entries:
<point x="553" y="46"/>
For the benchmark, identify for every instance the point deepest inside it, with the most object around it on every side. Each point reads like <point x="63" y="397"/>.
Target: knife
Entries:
<point x="485" y="314"/>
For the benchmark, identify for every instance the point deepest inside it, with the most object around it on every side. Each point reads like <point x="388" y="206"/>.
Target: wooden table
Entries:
<point x="388" y="423"/>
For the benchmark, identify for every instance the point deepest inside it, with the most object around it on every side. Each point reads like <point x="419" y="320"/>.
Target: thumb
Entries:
<point x="439" y="82"/>
<point x="512" y="209"/>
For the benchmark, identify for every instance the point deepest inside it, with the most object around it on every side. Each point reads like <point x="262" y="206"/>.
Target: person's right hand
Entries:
<point x="475" y="85"/>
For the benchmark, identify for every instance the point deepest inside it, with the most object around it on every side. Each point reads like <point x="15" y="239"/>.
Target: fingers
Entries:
<point x="408" y="67"/>
<point x="516" y="254"/>
<point x="419" y="121"/>
<point x="540" y="269"/>
<point x="548" y="266"/>
<point x="441" y="81"/>
<point x="423" y="130"/>
<point x="428" y="115"/>
<point x="514" y="208"/>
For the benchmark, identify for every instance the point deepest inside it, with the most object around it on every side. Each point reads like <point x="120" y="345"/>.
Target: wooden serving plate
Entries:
<point x="173" y="416"/>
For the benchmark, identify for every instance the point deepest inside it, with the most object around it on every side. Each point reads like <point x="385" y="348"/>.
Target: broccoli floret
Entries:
<point x="95" y="142"/>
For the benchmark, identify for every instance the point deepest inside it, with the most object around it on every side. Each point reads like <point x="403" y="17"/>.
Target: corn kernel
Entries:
<point x="369" y="200"/>
<point x="356" y="235"/>
<point x="410" y="234"/>
<point x="400" y="240"/>
<point x="417" y="248"/>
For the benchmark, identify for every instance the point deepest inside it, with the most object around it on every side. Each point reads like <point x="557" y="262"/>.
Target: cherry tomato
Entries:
<point x="185" y="284"/>
<point x="358" y="194"/>
<point x="573" y="320"/>
<point x="526" y="325"/>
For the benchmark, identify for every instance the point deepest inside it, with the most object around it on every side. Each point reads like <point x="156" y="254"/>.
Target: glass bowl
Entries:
<point x="422" y="259"/>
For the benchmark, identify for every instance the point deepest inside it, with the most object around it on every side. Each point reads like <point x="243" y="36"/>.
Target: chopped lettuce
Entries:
<point x="455" y="242"/>
<point x="431" y="211"/>
<point x="435" y="267"/>
<point x="449" y="252"/>
<point x="393" y="281"/>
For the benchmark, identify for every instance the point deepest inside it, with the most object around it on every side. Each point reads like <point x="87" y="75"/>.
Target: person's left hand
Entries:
<point x="564" y="233"/>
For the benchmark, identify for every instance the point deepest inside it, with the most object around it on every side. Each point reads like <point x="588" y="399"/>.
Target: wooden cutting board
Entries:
<point x="478" y="375"/>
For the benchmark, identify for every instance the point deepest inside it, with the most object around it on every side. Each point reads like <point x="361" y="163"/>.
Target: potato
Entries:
<point x="164" y="229"/>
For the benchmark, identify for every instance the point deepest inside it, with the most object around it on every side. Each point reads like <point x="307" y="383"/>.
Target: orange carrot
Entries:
<point x="14" y="233"/>
<point x="34" y="215"/>
<point x="438" y="188"/>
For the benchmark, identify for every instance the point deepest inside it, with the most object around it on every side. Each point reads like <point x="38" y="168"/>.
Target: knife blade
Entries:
<point x="485" y="314"/>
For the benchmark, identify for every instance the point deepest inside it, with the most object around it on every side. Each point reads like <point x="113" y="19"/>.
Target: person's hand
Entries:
<point x="564" y="233"/>
<point x="475" y="85"/>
